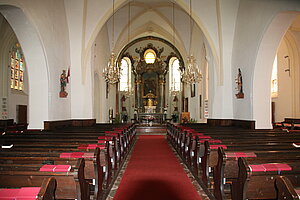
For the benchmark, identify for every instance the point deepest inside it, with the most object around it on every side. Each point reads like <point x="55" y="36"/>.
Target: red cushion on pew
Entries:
<point x="28" y="193"/>
<point x="55" y="168"/>
<point x="8" y="194"/>
<point x="76" y="155"/>
<point x="105" y="137"/>
<point x="65" y="155"/>
<point x="211" y="141"/>
<point x="24" y="193"/>
<point x="91" y="146"/>
<point x="204" y="137"/>
<point x="283" y="167"/>
<point x="270" y="167"/>
<point x="216" y="146"/>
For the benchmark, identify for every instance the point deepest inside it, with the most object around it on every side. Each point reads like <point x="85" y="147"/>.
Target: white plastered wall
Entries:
<point x="258" y="32"/>
<point x="205" y="15"/>
<point x="36" y="64"/>
<point x="81" y="81"/>
<point x="41" y="29"/>
<point x="101" y="55"/>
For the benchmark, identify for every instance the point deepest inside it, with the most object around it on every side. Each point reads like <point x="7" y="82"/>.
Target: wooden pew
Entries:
<point x="285" y="189"/>
<point x="46" y="190"/>
<point x="93" y="165"/>
<point x="70" y="185"/>
<point x="227" y="167"/>
<point x="190" y="149"/>
<point x="59" y="145"/>
<point x="253" y="183"/>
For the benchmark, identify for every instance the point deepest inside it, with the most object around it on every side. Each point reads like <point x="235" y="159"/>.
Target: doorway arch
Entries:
<point x="37" y="66"/>
<point x="265" y="57"/>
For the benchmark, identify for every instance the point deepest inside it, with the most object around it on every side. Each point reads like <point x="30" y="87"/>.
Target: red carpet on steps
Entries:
<point x="154" y="173"/>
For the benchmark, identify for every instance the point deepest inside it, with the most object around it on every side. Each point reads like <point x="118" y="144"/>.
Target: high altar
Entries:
<point x="150" y="81"/>
<point x="150" y="102"/>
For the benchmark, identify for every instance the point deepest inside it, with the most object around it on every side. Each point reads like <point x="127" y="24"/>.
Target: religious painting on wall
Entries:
<point x="150" y="83"/>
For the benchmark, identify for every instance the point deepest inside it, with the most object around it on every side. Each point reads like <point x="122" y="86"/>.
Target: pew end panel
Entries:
<point x="218" y="175"/>
<point x="285" y="189"/>
<point x="47" y="191"/>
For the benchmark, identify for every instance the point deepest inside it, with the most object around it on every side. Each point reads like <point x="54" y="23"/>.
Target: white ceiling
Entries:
<point x="153" y="18"/>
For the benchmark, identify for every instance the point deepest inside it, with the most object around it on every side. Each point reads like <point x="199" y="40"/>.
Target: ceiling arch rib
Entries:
<point x="138" y="7"/>
<point x="156" y="20"/>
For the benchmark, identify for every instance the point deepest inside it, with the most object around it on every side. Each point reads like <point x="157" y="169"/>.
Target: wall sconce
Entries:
<point x="289" y="65"/>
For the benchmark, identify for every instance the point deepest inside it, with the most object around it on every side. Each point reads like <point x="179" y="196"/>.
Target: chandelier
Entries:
<point x="191" y="73"/>
<point x="111" y="72"/>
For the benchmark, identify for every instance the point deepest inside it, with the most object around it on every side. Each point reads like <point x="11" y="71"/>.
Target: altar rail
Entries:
<point x="148" y="117"/>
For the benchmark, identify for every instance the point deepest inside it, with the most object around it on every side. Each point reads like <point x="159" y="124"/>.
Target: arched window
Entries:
<point x="274" y="83"/>
<point x="149" y="56"/>
<point x="17" y="67"/>
<point x="175" y="74"/>
<point x="125" y="74"/>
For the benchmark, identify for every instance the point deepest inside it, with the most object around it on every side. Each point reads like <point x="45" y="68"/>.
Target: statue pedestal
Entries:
<point x="150" y="109"/>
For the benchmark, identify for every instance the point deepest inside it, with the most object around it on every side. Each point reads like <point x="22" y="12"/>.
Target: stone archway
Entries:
<point x="36" y="64"/>
<point x="263" y="66"/>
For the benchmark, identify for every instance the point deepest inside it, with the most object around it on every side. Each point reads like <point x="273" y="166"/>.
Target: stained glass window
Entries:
<point x="17" y="67"/>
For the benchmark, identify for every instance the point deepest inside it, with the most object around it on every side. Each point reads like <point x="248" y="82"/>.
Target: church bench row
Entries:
<point x="52" y="159"/>
<point x="209" y="161"/>
<point x="45" y="191"/>
<point x="53" y="148"/>
<point x="193" y="151"/>
<point x="69" y="162"/>
<point x="70" y="185"/>
<point x="184" y="146"/>
<point x="226" y="169"/>
<point x="260" y="184"/>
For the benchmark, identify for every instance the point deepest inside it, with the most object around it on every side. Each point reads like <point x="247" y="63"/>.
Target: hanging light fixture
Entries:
<point x="191" y="73"/>
<point x="111" y="72"/>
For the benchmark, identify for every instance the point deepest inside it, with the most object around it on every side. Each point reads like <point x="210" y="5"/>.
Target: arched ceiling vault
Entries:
<point x="152" y="18"/>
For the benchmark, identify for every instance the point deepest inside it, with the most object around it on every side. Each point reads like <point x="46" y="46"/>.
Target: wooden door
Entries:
<point x="22" y="114"/>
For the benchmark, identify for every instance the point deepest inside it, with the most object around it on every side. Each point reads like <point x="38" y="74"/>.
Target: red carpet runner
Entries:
<point x="153" y="172"/>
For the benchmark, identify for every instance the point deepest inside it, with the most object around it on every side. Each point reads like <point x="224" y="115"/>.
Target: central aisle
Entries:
<point x="154" y="173"/>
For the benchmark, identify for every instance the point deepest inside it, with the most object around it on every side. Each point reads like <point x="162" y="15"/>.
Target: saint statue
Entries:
<point x="239" y="82"/>
<point x="64" y="79"/>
